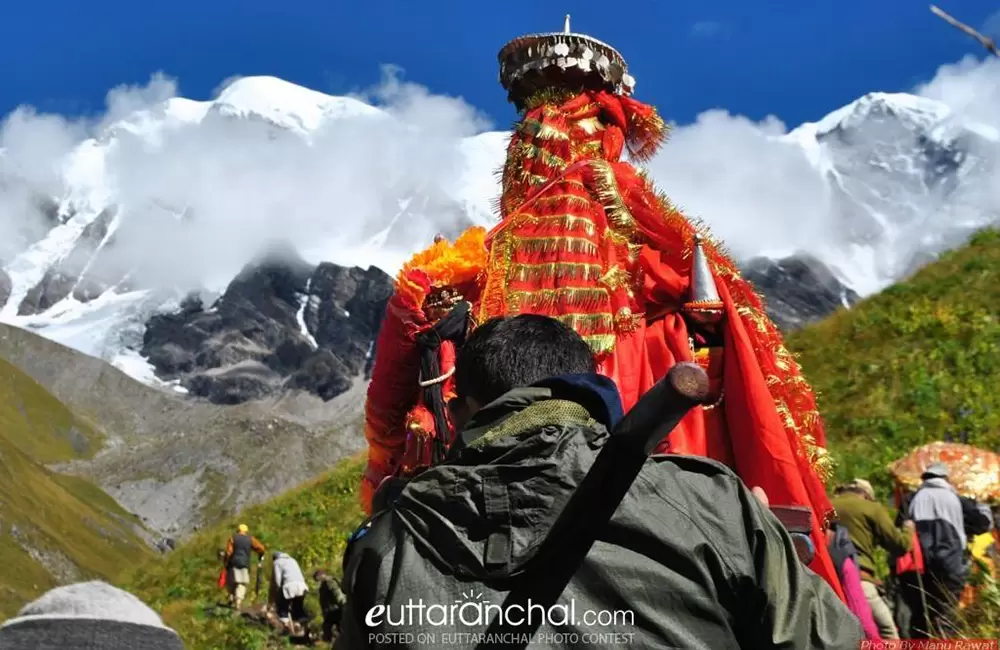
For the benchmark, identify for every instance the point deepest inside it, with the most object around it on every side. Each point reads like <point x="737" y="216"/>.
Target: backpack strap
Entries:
<point x="367" y="547"/>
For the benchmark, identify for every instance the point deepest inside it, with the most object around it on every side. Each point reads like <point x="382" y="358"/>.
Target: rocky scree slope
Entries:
<point x="54" y="529"/>
<point x="179" y="463"/>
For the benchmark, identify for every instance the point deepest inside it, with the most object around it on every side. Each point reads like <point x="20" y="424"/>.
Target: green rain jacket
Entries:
<point x="690" y="559"/>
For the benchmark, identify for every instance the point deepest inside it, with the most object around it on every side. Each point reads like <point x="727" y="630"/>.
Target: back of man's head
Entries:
<point x="514" y="351"/>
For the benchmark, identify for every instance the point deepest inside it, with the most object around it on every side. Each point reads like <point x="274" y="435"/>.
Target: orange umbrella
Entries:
<point x="974" y="472"/>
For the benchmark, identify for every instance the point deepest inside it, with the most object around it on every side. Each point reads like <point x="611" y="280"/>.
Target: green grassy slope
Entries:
<point x="53" y="528"/>
<point x="911" y="364"/>
<point x="311" y="523"/>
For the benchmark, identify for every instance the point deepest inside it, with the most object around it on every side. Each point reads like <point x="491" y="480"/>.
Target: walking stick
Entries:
<point x="260" y="567"/>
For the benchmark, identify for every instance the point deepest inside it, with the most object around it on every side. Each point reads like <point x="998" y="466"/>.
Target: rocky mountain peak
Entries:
<point x="798" y="289"/>
<point x="281" y="324"/>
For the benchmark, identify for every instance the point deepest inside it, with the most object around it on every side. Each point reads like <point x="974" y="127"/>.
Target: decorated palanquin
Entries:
<point x="586" y="238"/>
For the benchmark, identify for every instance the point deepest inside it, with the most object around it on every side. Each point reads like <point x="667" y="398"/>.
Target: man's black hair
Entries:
<point x="514" y="351"/>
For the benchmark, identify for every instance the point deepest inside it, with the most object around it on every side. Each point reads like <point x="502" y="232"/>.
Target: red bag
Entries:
<point x="222" y="579"/>
<point x="913" y="560"/>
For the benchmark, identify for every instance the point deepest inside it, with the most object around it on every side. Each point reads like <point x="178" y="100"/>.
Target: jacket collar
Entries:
<point x="936" y="482"/>
<point x="596" y="393"/>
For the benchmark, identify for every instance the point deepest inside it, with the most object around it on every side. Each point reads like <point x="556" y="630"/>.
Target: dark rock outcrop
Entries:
<point x="281" y="324"/>
<point x="797" y="290"/>
<point x="61" y="279"/>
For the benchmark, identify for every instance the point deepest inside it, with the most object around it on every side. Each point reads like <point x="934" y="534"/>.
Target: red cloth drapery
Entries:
<point x="746" y="431"/>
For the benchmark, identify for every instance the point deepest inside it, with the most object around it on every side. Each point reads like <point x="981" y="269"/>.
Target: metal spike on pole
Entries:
<point x="566" y="25"/>
<point x="986" y="42"/>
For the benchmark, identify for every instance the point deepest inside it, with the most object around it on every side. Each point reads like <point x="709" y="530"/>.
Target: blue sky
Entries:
<point x="795" y="60"/>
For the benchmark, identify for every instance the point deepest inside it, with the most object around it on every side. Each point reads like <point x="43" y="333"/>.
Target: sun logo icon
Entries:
<point x="469" y="596"/>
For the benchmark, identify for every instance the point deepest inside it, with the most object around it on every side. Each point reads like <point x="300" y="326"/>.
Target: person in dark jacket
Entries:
<point x="331" y="602"/>
<point x="870" y="526"/>
<point x="238" y="557"/>
<point x="943" y="520"/>
<point x="691" y="559"/>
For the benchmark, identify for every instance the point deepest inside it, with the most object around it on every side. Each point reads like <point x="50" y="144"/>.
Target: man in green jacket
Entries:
<point x="870" y="526"/>
<point x="690" y="559"/>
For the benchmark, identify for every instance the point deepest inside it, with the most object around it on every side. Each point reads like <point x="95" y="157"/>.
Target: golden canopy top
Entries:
<point x="974" y="472"/>
<point x="556" y="60"/>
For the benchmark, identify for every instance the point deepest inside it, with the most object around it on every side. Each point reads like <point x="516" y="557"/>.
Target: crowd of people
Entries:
<point x="930" y="545"/>
<point x="287" y="587"/>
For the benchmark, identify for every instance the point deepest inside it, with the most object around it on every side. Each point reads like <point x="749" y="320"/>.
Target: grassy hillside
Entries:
<point x="179" y="462"/>
<point x="311" y="523"/>
<point x="53" y="528"/>
<point x="912" y="364"/>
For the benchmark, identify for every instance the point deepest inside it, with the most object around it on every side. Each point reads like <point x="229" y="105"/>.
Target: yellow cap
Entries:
<point x="243" y="528"/>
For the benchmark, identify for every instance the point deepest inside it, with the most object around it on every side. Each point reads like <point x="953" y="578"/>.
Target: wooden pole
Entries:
<point x="986" y="42"/>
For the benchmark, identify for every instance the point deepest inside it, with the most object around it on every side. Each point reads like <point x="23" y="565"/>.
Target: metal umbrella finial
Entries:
<point x="566" y="25"/>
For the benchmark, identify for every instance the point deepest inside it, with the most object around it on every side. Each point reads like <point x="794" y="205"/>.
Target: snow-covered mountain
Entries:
<point x="134" y="228"/>
<point x="905" y="176"/>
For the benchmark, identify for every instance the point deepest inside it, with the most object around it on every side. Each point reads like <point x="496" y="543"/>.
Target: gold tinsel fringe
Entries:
<point x="588" y="324"/>
<point x="534" y="152"/>
<point x="571" y="200"/>
<point x="607" y="193"/>
<point x="566" y="222"/>
<point x="536" y="129"/>
<point x="590" y="125"/>
<point x="601" y="343"/>
<point x="548" y="299"/>
<point x="560" y="270"/>
<point x="551" y="96"/>
<point x="534" y="245"/>
<point x="648" y="135"/>
<point x="615" y="278"/>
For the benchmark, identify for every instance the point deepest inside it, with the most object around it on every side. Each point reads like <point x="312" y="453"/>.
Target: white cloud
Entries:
<point x="243" y="183"/>
<point x="32" y="149"/>
<point x="757" y="194"/>
<point x="760" y="194"/>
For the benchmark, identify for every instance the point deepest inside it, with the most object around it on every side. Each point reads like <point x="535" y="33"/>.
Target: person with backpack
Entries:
<point x="870" y="526"/>
<point x="237" y="557"/>
<point x="331" y="602"/>
<point x="689" y="559"/>
<point x="944" y="521"/>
